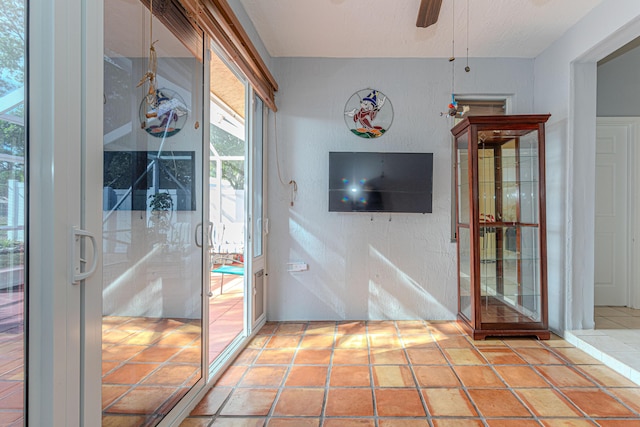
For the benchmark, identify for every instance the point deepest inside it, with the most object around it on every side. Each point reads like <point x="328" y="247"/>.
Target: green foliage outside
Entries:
<point x="12" y="45"/>
<point x="228" y="145"/>
<point x="12" y="135"/>
<point x="12" y="48"/>
<point x="160" y="202"/>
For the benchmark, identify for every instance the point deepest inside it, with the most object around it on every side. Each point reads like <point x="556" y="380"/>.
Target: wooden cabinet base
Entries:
<point x="481" y="334"/>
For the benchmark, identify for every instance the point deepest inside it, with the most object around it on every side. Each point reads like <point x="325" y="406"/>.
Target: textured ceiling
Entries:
<point x="226" y="86"/>
<point x="387" y="28"/>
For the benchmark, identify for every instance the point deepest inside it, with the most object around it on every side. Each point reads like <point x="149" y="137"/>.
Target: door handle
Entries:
<point x="198" y="242"/>
<point x="77" y="275"/>
<point x="209" y="234"/>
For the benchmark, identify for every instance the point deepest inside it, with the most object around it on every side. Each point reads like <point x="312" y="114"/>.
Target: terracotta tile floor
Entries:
<point x="412" y="373"/>
<point x="226" y="312"/>
<point x="150" y="363"/>
<point x="12" y="356"/>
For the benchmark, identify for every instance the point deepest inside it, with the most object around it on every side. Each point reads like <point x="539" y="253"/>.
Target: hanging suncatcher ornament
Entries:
<point x="166" y="117"/>
<point x="162" y="112"/>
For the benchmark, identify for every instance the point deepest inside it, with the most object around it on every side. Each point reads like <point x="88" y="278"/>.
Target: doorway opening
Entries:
<point x="227" y="205"/>
<point x="616" y="290"/>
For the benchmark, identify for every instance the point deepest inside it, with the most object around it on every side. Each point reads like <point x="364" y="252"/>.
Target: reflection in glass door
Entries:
<point x="12" y="212"/>
<point x="152" y="220"/>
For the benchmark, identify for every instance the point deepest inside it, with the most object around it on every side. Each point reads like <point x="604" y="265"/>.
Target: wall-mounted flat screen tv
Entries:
<point x="380" y="182"/>
<point x="131" y="178"/>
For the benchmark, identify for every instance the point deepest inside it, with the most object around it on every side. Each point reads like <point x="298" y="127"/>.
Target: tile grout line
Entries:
<point x="551" y="385"/>
<point x="595" y="381"/>
<point x="429" y="418"/>
<point x="327" y="383"/>
<point x="283" y="381"/>
<point x="372" y="380"/>
<point x="559" y="390"/>
<point x="423" y="400"/>
<point x="237" y="383"/>
<point x="463" y="387"/>
<point x="133" y="386"/>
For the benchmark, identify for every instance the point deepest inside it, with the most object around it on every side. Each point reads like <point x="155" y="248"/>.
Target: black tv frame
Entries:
<point x="400" y="182"/>
<point x="131" y="171"/>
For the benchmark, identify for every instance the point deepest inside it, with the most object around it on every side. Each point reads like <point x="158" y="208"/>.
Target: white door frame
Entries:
<point x="256" y="263"/>
<point x="227" y="356"/>
<point x="64" y="119"/>
<point x="580" y="119"/>
<point x="91" y="208"/>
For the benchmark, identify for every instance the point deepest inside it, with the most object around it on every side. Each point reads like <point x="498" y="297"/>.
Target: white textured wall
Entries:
<point x="565" y="85"/>
<point x="363" y="266"/>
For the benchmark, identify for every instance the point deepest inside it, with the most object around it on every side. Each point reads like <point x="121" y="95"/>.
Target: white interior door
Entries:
<point x="611" y="214"/>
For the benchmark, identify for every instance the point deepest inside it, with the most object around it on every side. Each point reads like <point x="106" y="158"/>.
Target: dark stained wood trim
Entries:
<point x="474" y="227"/>
<point x="217" y="18"/>
<point x="542" y="221"/>
<point x="174" y="17"/>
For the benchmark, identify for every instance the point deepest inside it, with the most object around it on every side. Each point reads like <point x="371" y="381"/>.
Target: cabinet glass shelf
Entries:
<point x="501" y="230"/>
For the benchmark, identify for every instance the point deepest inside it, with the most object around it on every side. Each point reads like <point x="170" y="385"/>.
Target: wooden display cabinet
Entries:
<point x="500" y="225"/>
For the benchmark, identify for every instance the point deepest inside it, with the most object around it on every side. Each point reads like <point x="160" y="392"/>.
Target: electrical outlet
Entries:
<point x="297" y="266"/>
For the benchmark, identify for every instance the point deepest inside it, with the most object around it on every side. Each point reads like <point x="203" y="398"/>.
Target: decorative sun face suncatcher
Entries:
<point x="165" y="116"/>
<point x="368" y="113"/>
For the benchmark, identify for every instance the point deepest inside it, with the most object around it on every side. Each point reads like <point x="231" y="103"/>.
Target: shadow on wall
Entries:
<point x="358" y="282"/>
<point x="325" y="273"/>
<point x="397" y="298"/>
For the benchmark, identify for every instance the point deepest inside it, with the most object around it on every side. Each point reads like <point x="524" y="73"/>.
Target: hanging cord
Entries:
<point x="152" y="68"/>
<point x="467" y="68"/>
<point x="275" y="140"/>
<point x="293" y="185"/>
<point x="453" y="31"/>
<point x="453" y="106"/>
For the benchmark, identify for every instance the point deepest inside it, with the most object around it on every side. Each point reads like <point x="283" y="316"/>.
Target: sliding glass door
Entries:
<point x="236" y="209"/>
<point x="227" y="206"/>
<point x="153" y="215"/>
<point x="121" y="241"/>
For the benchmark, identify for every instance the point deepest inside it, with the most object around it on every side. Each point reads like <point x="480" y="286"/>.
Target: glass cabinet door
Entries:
<point x="508" y="212"/>
<point x="463" y="219"/>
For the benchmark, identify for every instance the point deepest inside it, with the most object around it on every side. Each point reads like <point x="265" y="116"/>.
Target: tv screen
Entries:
<point x="131" y="178"/>
<point x="380" y="182"/>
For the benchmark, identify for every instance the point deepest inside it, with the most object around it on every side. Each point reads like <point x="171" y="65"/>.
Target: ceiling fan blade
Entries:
<point x="428" y="13"/>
